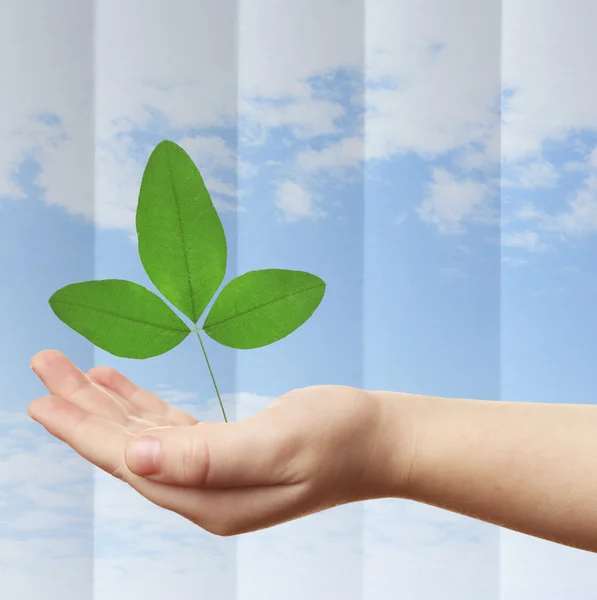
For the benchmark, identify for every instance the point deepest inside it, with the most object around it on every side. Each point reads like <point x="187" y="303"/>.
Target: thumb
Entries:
<point x="211" y="455"/>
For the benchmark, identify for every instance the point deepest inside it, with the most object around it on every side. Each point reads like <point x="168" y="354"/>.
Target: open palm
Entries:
<point x="97" y="413"/>
<point x="311" y="449"/>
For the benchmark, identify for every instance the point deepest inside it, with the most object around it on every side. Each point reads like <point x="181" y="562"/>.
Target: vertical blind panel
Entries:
<point x="46" y="241"/>
<point x="432" y="264"/>
<point x="549" y="250"/>
<point x="301" y="71"/>
<point x="164" y="70"/>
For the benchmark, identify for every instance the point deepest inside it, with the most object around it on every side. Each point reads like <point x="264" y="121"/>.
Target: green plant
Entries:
<point x="183" y="250"/>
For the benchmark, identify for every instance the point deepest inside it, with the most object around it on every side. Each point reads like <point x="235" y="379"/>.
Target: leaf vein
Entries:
<point x="182" y="239"/>
<point x="118" y="316"/>
<point x="268" y="303"/>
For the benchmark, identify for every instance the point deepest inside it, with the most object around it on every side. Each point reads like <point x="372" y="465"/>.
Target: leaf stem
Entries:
<point x="212" y="374"/>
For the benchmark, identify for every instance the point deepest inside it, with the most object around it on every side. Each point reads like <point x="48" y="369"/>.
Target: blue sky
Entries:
<point x="441" y="184"/>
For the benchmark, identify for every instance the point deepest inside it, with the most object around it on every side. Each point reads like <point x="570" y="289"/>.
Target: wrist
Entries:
<point x="400" y="440"/>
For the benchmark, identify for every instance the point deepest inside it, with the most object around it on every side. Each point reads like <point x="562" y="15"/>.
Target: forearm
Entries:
<point x="525" y="466"/>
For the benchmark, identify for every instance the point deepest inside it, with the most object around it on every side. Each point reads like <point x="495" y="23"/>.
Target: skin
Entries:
<point x="524" y="466"/>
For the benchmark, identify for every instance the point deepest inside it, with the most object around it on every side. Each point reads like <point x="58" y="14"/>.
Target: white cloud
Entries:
<point x="49" y="497"/>
<point x="201" y="74"/>
<point x="144" y="550"/>
<point x="103" y="75"/>
<point x="48" y="76"/>
<point x="117" y="184"/>
<point x="210" y="151"/>
<point x="479" y="160"/>
<point x="46" y="541"/>
<point x="401" y="218"/>
<point x="306" y="117"/>
<point x="549" y="56"/>
<point x="39" y="521"/>
<point x="416" y="550"/>
<point x="580" y="218"/>
<point x="348" y="152"/>
<point x="8" y="418"/>
<point x="295" y="201"/>
<point x="525" y="240"/>
<point x="42" y="463"/>
<point x="443" y="64"/>
<point x="574" y="166"/>
<point x="283" y="44"/>
<point x="179" y="60"/>
<point x="411" y="59"/>
<point x="434" y="77"/>
<point x="319" y="556"/>
<point x="577" y="218"/>
<point x="528" y="212"/>
<point x="451" y="202"/>
<point x="533" y="175"/>
<point x="119" y="176"/>
<point x="514" y="261"/>
<point x="46" y="568"/>
<point x="592" y="158"/>
<point x="67" y="171"/>
<point x="573" y="270"/>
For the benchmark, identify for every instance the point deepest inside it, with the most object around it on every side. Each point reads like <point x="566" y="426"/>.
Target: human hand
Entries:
<point x="312" y="449"/>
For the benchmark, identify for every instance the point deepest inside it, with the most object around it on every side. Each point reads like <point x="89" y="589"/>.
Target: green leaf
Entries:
<point x="120" y="317"/>
<point x="262" y="307"/>
<point x="182" y="244"/>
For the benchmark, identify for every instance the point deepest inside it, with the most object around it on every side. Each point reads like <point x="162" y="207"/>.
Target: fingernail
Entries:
<point x="143" y="456"/>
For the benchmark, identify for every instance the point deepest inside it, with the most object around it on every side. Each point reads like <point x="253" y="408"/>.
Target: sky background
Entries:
<point x="435" y="163"/>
